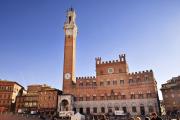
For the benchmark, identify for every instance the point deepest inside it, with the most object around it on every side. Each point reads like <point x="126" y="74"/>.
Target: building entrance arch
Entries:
<point x="64" y="105"/>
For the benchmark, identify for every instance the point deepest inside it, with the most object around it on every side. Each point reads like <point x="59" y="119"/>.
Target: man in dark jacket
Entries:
<point x="154" y="116"/>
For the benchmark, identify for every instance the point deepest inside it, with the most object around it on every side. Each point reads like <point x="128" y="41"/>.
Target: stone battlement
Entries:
<point x="109" y="62"/>
<point x="141" y="72"/>
<point x="122" y="59"/>
<point x="86" y="78"/>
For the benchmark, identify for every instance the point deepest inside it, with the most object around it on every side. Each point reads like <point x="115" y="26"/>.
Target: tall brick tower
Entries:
<point x="70" y="30"/>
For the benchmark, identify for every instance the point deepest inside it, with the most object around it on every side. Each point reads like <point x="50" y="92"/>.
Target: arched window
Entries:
<point x="64" y="105"/>
<point x="87" y="110"/>
<point x="94" y="109"/>
<point x="102" y="110"/>
<point x="116" y="108"/>
<point x="151" y="109"/>
<point x="69" y="19"/>
<point x="81" y="110"/>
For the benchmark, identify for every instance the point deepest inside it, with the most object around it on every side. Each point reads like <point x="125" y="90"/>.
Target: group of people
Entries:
<point x="153" y="116"/>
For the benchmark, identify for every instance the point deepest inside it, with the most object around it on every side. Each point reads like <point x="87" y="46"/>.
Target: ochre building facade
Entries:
<point x="112" y="88"/>
<point x="39" y="98"/>
<point x="8" y="92"/>
<point x="171" y="95"/>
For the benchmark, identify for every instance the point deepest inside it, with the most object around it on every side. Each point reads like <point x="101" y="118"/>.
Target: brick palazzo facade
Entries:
<point x="113" y="87"/>
<point x="41" y="98"/>
<point x="8" y="92"/>
<point x="171" y="95"/>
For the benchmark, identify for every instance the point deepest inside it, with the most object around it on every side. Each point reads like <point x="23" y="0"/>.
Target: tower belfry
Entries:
<point x="70" y="30"/>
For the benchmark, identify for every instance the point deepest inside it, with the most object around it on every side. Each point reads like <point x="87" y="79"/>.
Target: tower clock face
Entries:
<point x="67" y="76"/>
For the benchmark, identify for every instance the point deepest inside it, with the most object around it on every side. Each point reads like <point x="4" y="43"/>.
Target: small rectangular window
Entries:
<point x="132" y="96"/>
<point x="95" y="110"/>
<point x="101" y="83"/>
<point x="121" y="82"/>
<point x="140" y="96"/>
<point x="88" y="98"/>
<point x="102" y="97"/>
<point x="114" y="82"/>
<point x="123" y="96"/>
<point x="94" y="97"/>
<point x="116" y="97"/>
<point x="149" y="95"/>
<point x="134" y="109"/>
<point x="80" y="98"/>
<point x="131" y="81"/>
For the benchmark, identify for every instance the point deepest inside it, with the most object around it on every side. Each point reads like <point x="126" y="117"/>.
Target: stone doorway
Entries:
<point x="65" y="105"/>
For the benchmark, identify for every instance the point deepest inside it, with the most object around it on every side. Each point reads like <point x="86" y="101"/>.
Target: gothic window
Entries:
<point x="109" y="110"/>
<point x="94" y="84"/>
<point x="148" y="95"/>
<point x="87" y="84"/>
<point x="94" y="109"/>
<point x="114" y="82"/>
<point x="101" y="83"/>
<point x="151" y="109"/>
<point x="140" y="96"/>
<point x="102" y="97"/>
<point x="121" y="82"/>
<point x="123" y="96"/>
<point x="131" y="81"/>
<point x="80" y="98"/>
<point x="81" y="110"/>
<point x="87" y="110"/>
<point x="102" y="110"/>
<point x="132" y="96"/>
<point x="108" y="97"/>
<point x="108" y="82"/>
<point x="134" y="109"/>
<point x="146" y="78"/>
<point x="116" y="97"/>
<point x="69" y="19"/>
<point x="87" y="98"/>
<point x="94" y="98"/>
<point x="116" y="108"/>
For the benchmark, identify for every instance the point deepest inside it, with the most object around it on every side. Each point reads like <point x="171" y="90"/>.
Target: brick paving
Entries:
<point x="11" y="116"/>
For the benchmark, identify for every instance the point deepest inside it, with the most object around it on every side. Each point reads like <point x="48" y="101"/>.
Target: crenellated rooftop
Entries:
<point x="141" y="72"/>
<point x="122" y="59"/>
<point x="86" y="78"/>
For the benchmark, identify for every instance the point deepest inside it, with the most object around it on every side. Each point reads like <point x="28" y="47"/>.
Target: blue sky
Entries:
<point x="32" y="37"/>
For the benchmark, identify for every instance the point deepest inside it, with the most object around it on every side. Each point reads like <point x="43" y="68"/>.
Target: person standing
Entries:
<point x="154" y="116"/>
